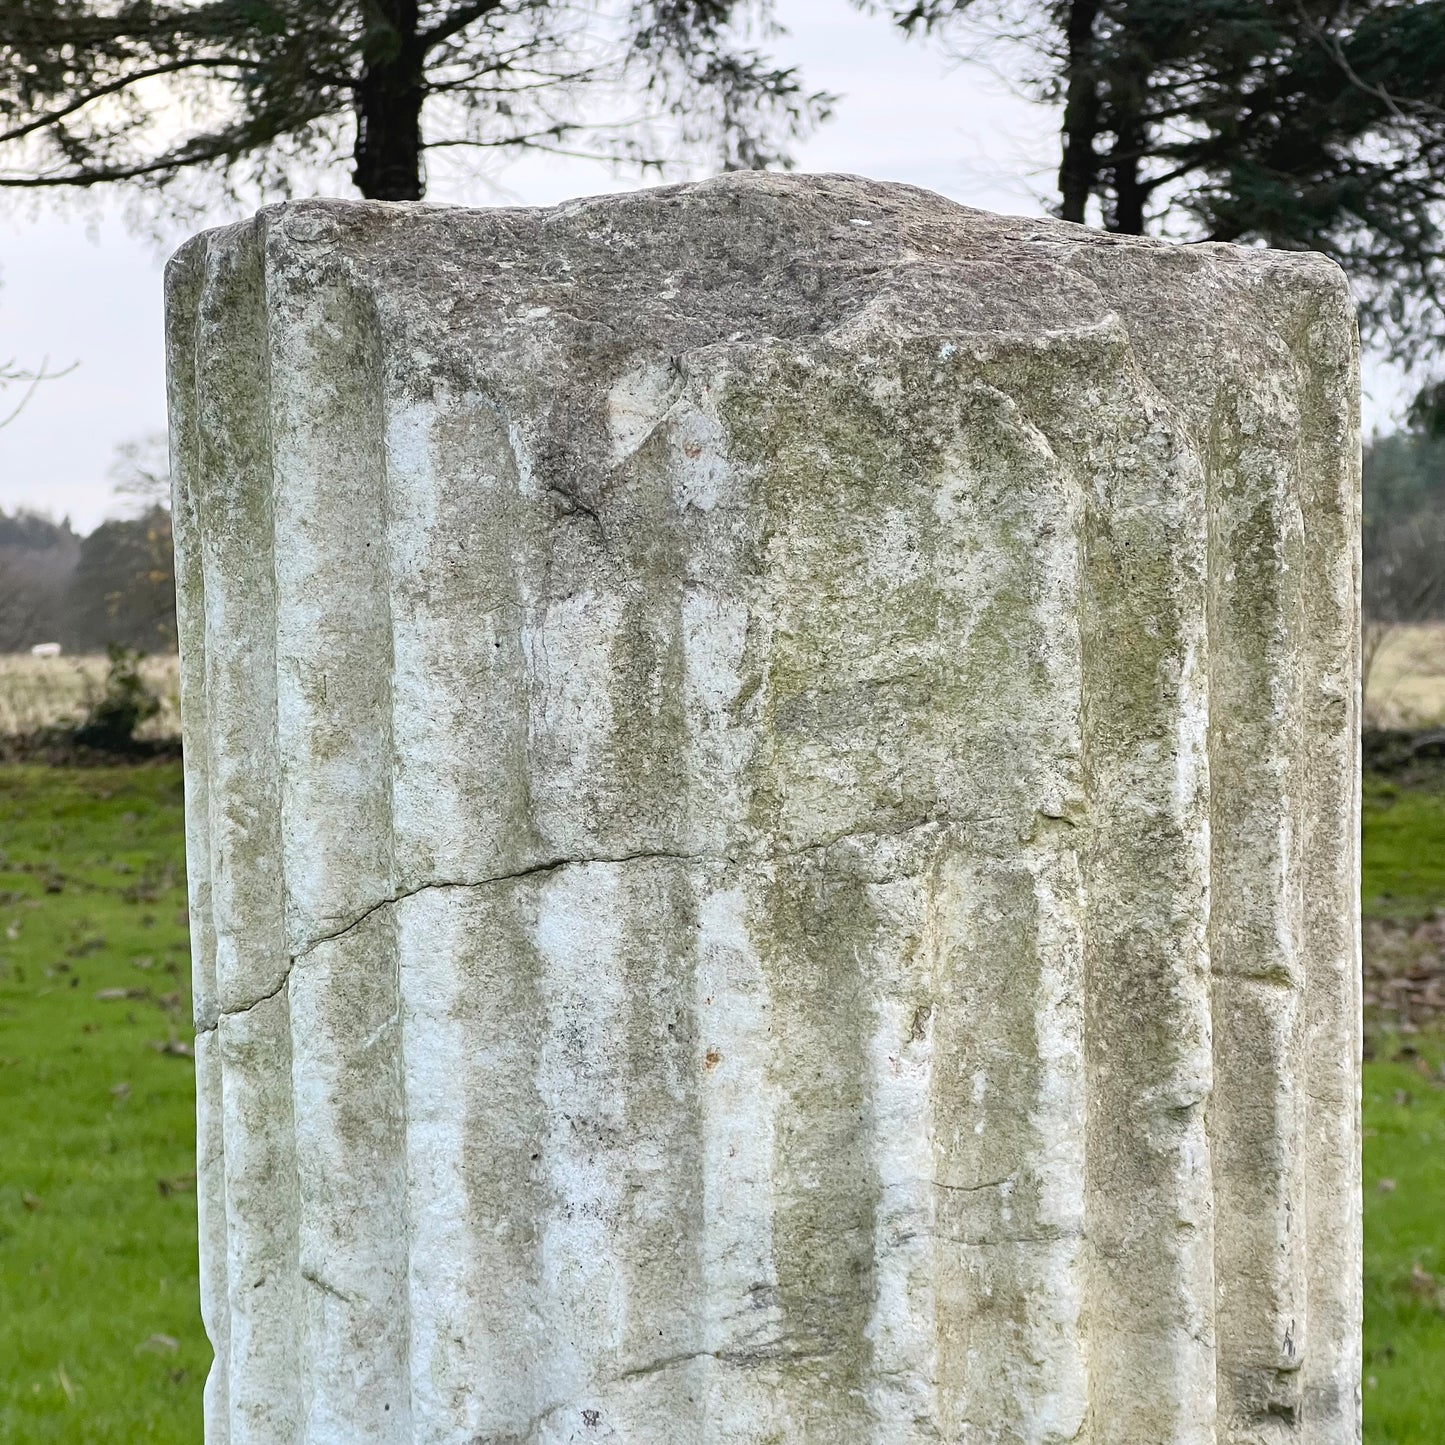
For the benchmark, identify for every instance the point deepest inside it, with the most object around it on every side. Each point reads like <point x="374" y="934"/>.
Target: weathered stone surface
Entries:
<point x="772" y="809"/>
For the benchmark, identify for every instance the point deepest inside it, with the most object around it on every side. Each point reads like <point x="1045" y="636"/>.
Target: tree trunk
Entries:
<point x="1130" y="189"/>
<point x="389" y="99"/>
<point x="1079" y="168"/>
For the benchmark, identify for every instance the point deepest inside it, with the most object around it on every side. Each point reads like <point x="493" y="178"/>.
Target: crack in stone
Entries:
<point x="527" y="1430"/>
<point x="325" y="1288"/>
<point x="552" y="865"/>
<point x="972" y="1188"/>
<point x="667" y="1363"/>
<point x="982" y="1241"/>
<point x="252" y="1004"/>
<point x="939" y="820"/>
<point x="919" y="1183"/>
<point x="773" y="1350"/>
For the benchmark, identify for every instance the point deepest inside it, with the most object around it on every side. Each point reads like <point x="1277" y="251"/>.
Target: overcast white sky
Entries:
<point x="75" y="289"/>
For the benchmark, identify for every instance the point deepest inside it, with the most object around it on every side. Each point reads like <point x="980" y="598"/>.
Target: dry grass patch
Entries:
<point x="1406" y="687"/>
<point x="41" y="692"/>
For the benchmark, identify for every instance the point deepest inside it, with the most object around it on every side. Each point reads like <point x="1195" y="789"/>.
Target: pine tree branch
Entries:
<point x="1330" y="44"/>
<point x="455" y="23"/>
<point x="41" y="122"/>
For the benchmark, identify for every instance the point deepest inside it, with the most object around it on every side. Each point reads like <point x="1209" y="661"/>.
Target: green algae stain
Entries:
<point x="815" y="932"/>
<point x="906" y="508"/>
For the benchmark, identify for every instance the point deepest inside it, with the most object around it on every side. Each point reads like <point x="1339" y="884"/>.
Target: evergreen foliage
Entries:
<point x="1303" y="124"/>
<point x="253" y="95"/>
<point x="127" y="702"/>
<point x="1403" y="541"/>
<point x="1404" y="477"/>
<point x="123" y="589"/>
<point x="116" y="585"/>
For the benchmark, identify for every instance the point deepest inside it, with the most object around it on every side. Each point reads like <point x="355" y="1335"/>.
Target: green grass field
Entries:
<point x="1404" y="1120"/>
<point x="1404" y="852"/>
<point x="100" y="1341"/>
<point x="1404" y="1116"/>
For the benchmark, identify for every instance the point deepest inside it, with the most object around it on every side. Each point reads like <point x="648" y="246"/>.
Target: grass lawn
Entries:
<point x="100" y="1337"/>
<point x="1405" y="1244"/>
<point x="100" y="1340"/>
<point x="1404" y="852"/>
<point x="1404" y="1117"/>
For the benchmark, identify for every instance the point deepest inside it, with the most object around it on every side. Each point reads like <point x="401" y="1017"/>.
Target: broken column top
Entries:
<point x="753" y="257"/>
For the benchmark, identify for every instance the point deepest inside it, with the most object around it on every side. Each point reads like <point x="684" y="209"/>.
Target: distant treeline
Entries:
<point x="1404" y="528"/>
<point x="116" y="585"/>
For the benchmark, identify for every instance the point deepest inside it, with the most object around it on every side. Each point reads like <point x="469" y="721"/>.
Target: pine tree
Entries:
<point x="1304" y="124"/>
<point x="252" y="95"/>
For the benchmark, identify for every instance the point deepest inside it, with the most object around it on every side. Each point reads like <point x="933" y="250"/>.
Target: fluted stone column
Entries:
<point x="772" y="818"/>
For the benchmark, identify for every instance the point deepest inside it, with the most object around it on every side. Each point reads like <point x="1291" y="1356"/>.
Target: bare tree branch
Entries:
<point x="11" y="375"/>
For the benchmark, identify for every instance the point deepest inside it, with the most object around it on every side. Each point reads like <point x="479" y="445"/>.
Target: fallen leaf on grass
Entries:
<point x="63" y="1380"/>
<point x="32" y="1202"/>
<point x="1425" y="1286"/>
<point x="173" y="1046"/>
<point x="120" y="1091"/>
<point x="159" y="1345"/>
<point x="181" y="1184"/>
<point x="12" y="929"/>
<point x="1386" y="1186"/>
